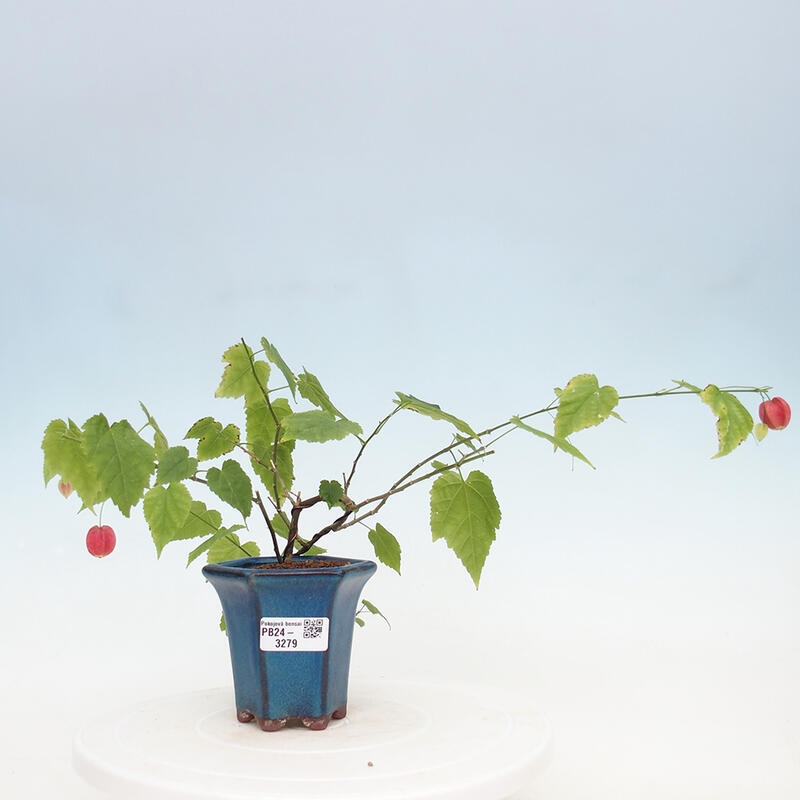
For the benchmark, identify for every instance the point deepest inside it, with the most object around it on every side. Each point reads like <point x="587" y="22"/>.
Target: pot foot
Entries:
<point x="271" y="725"/>
<point x="244" y="716"/>
<point x="340" y="713"/>
<point x="316" y="723"/>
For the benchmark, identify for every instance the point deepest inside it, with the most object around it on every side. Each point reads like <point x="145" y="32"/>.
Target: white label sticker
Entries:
<point x="294" y="634"/>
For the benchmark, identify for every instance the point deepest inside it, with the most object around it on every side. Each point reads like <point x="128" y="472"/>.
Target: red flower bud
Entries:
<point x="775" y="413"/>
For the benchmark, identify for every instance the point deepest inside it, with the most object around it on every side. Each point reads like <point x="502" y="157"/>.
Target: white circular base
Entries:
<point x="398" y="741"/>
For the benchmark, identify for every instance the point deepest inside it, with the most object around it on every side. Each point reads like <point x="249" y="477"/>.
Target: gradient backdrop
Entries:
<point x="470" y="202"/>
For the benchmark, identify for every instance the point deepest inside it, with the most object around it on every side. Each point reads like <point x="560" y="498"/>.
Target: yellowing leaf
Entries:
<point x="242" y="376"/>
<point x="583" y="403"/>
<point x="734" y="422"/>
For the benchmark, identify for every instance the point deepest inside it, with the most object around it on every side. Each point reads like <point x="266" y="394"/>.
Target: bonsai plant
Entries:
<point x="290" y="614"/>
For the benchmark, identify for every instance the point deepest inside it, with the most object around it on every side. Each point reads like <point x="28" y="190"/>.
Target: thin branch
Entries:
<point x="265" y="514"/>
<point x="364" y="443"/>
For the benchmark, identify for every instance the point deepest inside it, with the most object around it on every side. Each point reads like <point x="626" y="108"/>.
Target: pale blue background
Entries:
<point x="468" y="201"/>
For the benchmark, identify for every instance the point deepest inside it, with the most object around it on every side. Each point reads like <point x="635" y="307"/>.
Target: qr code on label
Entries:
<point x="312" y="628"/>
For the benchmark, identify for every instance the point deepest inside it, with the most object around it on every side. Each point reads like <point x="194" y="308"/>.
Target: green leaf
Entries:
<point x="734" y="422"/>
<point x="122" y="460"/>
<point x="65" y="455"/>
<point x="690" y="386"/>
<point x="200" y="521"/>
<point x="557" y="442"/>
<point x="243" y="376"/>
<point x="583" y="403"/>
<point x="466" y="514"/>
<point x="175" y="464"/>
<point x="275" y="357"/>
<point x="372" y="609"/>
<point x="232" y="485"/>
<point x="433" y="411"/>
<point x="214" y="440"/>
<point x="261" y="432"/>
<point x="331" y="492"/>
<point x="166" y="509"/>
<point x="204" y="546"/>
<point x="387" y="548"/>
<point x="229" y="547"/>
<point x="279" y="526"/>
<point x="317" y="426"/>
<point x="311" y="389"/>
<point x="159" y="440"/>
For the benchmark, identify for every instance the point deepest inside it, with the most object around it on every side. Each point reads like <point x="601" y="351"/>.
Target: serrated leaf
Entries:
<point x="200" y="521"/>
<point x="386" y="546"/>
<point x="159" y="440"/>
<point x="65" y="455"/>
<point x="243" y="376"/>
<point x="204" y="546"/>
<point x="229" y="547"/>
<point x="123" y="461"/>
<point x="558" y="442"/>
<point x="734" y="422"/>
<point x="232" y="485"/>
<point x="166" y="509"/>
<point x="331" y="492"/>
<point x="317" y="426"/>
<point x="261" y="431"/>
<point x="583" y="403"/>
<point x="176" y="464"/>
<point x="214" y="440"/>
<point x="466" y="514"/>
<point x="274" y="356"/>
<point x="311" y="389"/>
<point x="432" y="411"/>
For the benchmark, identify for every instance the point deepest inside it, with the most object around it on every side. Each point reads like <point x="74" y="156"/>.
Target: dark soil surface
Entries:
<point x="314" y="563"/>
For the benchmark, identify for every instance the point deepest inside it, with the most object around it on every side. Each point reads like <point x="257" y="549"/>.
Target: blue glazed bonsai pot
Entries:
<point x="290" y="631"/>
